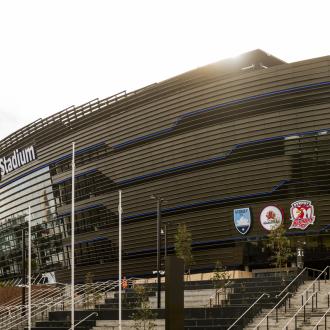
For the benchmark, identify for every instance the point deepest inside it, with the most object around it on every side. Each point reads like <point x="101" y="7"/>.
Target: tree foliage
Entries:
<point x="279" y="245"/>
<point x="143" y="316"/>
<point x="182" y="245"/>
<point x="220" y="275"/>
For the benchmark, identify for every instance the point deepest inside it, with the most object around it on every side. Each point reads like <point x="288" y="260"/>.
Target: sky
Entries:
<point x="55" y="54"/>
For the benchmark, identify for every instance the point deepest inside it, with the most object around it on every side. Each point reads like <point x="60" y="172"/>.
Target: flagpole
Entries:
<point x="72" y="235"/>
<point x="120" y="242"/>
<point x="29" y="269"/>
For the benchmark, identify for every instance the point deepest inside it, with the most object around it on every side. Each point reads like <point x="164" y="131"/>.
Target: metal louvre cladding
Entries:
<point x="214" y="139"/>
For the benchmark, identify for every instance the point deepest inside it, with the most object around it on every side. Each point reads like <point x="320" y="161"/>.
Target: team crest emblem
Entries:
<point x="302" y="214"/>
<point x="271" y="217"/>
<point x="242" y="220"/>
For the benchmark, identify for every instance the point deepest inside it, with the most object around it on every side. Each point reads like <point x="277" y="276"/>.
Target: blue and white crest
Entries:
<point x="242" y="220"/>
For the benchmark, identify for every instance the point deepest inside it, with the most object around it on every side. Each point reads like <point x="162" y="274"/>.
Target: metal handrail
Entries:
<point x="264" y="294"/>
<point x="318" y="270"/>
<point x="218" y="291"/>
<point x="36" y="293"/>
<point x="271" y="310"/>
<point x="61" y="300"/>
<point x="296" y="313"/>
<point x="306" y="290"/>
<point x="53" y="301"/>
<point x="86" y="318"/>
<point x="319" y="321"/>
<point x="18" y="319"/>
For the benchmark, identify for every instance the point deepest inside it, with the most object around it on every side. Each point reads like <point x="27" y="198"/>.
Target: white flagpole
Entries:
<point x="120" y="275"/>
<point x="72" y="236"/>
<point x="29" y="269"/>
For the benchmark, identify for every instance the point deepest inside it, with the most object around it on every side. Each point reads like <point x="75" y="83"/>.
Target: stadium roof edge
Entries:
<point x="229" y="65"/>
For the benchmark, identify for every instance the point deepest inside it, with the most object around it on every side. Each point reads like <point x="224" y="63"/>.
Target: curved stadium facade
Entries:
<point x="237" y="139"/>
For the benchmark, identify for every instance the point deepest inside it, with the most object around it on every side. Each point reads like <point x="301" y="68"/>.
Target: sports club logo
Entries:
<point x="242" y="220"/>
<point x="271" y="217"/>
<point x="302" y="214"/>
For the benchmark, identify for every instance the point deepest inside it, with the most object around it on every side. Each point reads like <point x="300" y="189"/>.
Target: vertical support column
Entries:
<point x="174" y="293"/>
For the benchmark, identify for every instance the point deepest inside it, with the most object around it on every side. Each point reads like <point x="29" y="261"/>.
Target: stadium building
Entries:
<point x="234" y="148"/>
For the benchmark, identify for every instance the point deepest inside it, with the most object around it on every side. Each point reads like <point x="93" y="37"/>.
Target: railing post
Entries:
<point x="316" y="301"/>
<point x="276" y="315"/>
<point x="304" y="313"/>
<point x="312" y="304"/>
<point x="285" y="307"/>
<point x="290" y="301"/>
<point x="325" y="323"/>
<point x="267" y="323"/>
<point x="295" y="322"/>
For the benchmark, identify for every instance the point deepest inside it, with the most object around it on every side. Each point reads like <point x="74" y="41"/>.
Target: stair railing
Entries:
<point x="296" y="278"/>
<point x="317" y="280"/>
<point x="324" y="316"/>
<point x="295" y="316"/>
<point x="84" y="319"/>
<point x="59" y="301"/>
<point x="264" y="294"/>
<point x="275" y="307"/>
<point x="218" y="292"/>
<point x="320" y="320"/>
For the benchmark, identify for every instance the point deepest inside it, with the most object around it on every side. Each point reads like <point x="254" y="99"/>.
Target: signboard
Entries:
<point x="16" y="159"/>
<point x="302" y="214"/>
<point x="271" y="217"/>
<point x="242" y="220"/>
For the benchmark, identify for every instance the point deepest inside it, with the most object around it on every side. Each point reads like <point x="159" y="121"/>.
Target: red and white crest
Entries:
<point x="302" y="214"/>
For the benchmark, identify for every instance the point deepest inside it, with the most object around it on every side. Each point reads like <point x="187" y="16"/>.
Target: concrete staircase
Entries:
<point x="126" y="325"/>
<point x="192" y="298"/>
<point x="285" y="314"/>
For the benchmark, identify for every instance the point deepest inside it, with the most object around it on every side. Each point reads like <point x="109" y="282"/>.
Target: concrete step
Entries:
<point x="126" y="324"/>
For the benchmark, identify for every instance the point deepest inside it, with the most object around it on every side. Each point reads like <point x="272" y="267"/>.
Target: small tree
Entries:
<point x="279" y="245"/>
<point x="220" y="275"/>
<point x="219" y="279"/>
<point x="91" y="297"/>
<point x="143" y="316"/>
<point x="183" y="248"/>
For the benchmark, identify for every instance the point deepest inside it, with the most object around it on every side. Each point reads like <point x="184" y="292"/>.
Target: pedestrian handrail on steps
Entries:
<point x="324" y="316"/>
<point x="324" y="271"/>
<point x="84" y="319"/>
<point x="264" y="294"/>
<point x="296" y="278"/>
<point x="266" y="317"/>
<point x="38" y="296"/>
<point x="320" y="320"/>
<point x="294" y="317"/>
<point x="62" y="301"/>
<point x="217" y="294"/>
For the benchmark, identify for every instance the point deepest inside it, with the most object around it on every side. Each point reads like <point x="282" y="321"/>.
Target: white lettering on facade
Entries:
<point x="17" y="159"/>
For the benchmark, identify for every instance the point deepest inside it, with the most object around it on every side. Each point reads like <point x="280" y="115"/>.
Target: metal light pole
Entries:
<point x="120" y="210"/>
<point x="165" y="238"/>
<point x="72" y="235"/>
<point x="29" y="269"/>
<point x="159" y="203"/>
<point x="23" y="271"/>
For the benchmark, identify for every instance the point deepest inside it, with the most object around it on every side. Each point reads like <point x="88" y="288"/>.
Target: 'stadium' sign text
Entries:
<point x="17" y="159"/>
